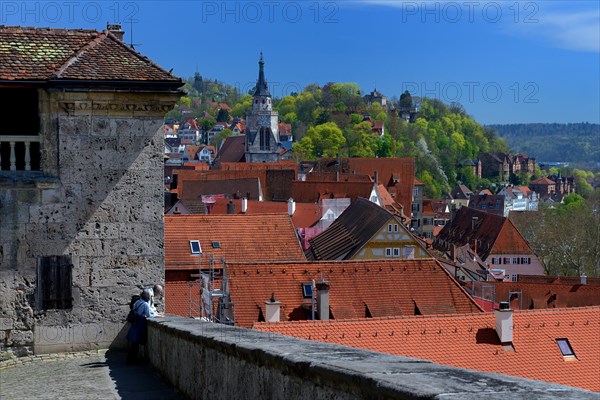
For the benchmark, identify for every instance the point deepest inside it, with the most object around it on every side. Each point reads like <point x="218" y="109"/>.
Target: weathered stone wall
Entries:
<point x="212" y="361"/>
<point x="99" y="199"/>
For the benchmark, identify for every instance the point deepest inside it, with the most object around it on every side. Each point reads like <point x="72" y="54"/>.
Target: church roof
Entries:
<point x="261" y="89"/>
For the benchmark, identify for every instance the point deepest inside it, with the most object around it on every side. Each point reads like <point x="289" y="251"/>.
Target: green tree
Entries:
<point x="219" y="137"/>
<point x="325" y="140"/>
<point x="223" y="115"/>
<point x="207" y="123"/>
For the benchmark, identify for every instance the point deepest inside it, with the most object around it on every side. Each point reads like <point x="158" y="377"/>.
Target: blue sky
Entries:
<point x="505" y="61"/>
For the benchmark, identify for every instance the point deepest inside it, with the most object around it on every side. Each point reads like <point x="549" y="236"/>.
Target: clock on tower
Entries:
<point x="263" y="120"/>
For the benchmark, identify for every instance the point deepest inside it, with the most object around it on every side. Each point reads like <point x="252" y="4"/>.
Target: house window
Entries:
<point x="506" y="260"/>
<point x="428" y="235"/>
<point x="565" y="347"/>
<point x="514" y="278"/>
<point x="54" y="283"/>
<point x="388" y="252"/>
<point x="396" y="252"/>
<point x="195" y="247"/>
<point x="395" y="227"/>
<point x="483" y="206"/>
<point x="415" y="192"/>
<point x="20" y="134"/>
<point x="307" y="290"/>
<point x="415" y="207"/>
<point x="515" y="260"/>
<point x="495" y="260"/>
<point x="525" y="260"/>
<point x="389" y="227"/>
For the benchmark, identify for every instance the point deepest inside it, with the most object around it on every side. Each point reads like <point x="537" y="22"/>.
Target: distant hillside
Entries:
<point x="554" y="142"/>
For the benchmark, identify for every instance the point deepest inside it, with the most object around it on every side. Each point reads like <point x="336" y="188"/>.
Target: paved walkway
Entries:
<point x="103" y="375"/>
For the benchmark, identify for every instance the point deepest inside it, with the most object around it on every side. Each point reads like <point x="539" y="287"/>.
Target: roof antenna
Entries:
<point x="131" y="44"/>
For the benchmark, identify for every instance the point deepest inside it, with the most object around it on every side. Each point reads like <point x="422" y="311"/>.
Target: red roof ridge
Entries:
<point x="100" y="36"/>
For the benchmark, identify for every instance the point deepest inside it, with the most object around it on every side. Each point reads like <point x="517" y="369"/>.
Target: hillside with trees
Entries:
<point x="554" y="142"/>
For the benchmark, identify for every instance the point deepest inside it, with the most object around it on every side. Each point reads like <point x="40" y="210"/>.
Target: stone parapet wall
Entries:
<point x="211" y="361"/>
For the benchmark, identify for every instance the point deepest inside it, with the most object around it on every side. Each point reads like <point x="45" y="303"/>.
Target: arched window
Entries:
<point x="265" y="138"/>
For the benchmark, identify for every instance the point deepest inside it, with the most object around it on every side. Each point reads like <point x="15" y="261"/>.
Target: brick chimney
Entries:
<point x="504" y="323"/>
<point x="273" y="308"/>
<point x="116" y="30"/>
<point x="323" y="300"/>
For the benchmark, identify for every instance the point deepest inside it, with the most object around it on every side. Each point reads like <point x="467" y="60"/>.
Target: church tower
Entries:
<point x="262" y="131"/>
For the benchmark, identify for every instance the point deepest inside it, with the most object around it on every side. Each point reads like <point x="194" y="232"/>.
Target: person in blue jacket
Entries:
<point x="138" y="331"/>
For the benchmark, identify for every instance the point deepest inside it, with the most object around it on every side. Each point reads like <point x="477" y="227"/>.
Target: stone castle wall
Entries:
<point x="98" y="199"/>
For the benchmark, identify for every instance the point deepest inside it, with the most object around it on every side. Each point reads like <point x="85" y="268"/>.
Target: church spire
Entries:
<point x="261" y="88"/>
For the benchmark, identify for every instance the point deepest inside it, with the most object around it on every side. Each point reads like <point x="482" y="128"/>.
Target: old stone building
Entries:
<point x="81" y="221"/>
<point x="262" y="123"/>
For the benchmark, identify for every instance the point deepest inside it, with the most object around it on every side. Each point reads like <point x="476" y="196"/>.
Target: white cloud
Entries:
<point x="571" y="25"/>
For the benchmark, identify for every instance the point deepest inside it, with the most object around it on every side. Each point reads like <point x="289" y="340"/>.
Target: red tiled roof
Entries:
<point x="28" y="53"/>
<point x="313" y="191"/>
<point x="306" y="215"/>
<point x="259" y="237"/>
<point x="553" y="295"/>
<point x="470" y="341"/>
<point x="387" y="169"/>
<point x="337" y="177"/>
<point x="494" y="234"/>
<point x="542" y="181"/>
<point x="183" y="299"/>
<point x="357" y="288"/>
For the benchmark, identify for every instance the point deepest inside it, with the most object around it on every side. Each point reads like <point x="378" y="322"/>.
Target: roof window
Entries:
<point x="565" y="348"/>
<point x="216" y="245"/>
<point x="307" y="290"/>
<point x="195" y="247"/>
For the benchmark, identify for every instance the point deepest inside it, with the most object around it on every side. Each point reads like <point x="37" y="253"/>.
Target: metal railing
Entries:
<point x="20" y="153"/>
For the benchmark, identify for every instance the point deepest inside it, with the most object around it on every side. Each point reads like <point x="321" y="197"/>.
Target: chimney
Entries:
<point x="116" y="30"/>
<point x="452" y="211"/>
<point x="273" y="308"/>
<point x="291" y="207"/>
<point x="230" y="207"/>
<point x="504" y="322"/>
<point x="323" y="300"/>
<point x="376" y="177"/>
<point x="583" y="279"/>
<point x="244" y="205"/>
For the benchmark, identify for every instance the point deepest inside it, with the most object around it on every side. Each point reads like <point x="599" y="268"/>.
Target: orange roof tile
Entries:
<point x="306" y="215"/>
<point x="313" y="191"/>
<point x="546" y="295"/>
<point x="357" y="288"/>
<point x="470" y="341"/>
<point x="494" y="234"/>
<point x="542" y="181"/>
<point x="260" y="237"/>
<point x="387" y="169"/>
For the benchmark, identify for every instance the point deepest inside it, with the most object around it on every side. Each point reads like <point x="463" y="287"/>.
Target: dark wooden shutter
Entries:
<point x="55" y="280"/>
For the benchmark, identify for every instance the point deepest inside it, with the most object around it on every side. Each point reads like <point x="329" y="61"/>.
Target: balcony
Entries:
<point x="19" y="153"/>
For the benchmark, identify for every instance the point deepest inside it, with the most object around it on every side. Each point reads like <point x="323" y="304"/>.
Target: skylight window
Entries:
<point x="195" y="247"/>
<point x="216" y="245"/>
<point x="307" y="290"/>
<point x="565" y="348"/>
